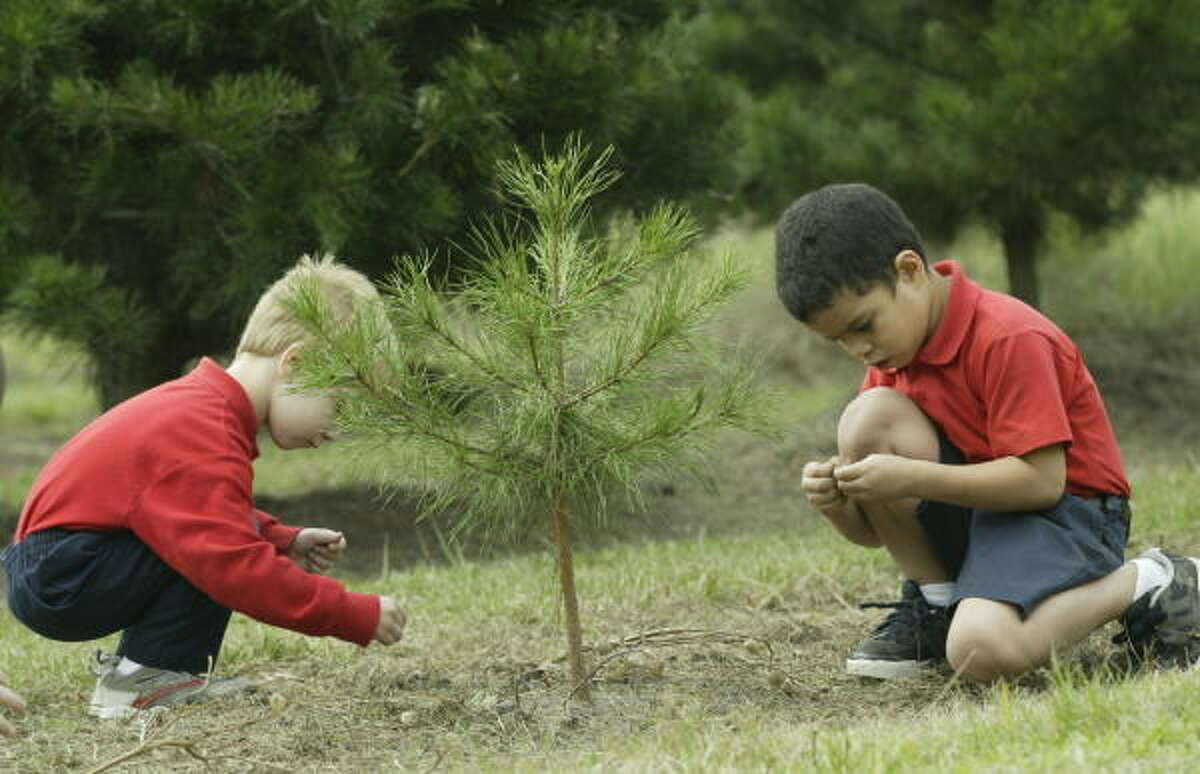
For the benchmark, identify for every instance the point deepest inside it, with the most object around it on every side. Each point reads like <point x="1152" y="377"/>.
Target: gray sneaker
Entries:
<point x="1164" y="624"/>
<point x="120" y="696"/>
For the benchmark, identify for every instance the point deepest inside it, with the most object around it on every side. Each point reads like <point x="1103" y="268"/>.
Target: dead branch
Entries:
<point x="833" y="590"/>
<point x="188" y="745"/>
<point x="663" y="638"/>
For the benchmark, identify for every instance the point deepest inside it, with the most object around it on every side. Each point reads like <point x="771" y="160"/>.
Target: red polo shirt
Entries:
<point x="1000" y="380"/>
<point x="173" y="465"/>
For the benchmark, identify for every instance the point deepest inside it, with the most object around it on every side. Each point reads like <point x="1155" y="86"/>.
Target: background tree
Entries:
<point x="163" y="161"/>
<point x="571" y="366"/>
<point x="1006" y="112"/>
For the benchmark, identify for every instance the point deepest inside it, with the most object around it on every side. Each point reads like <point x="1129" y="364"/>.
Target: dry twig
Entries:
<point x="188" y="745"/>
<point x="954" y="680"/>
<point x="661" y="638"/>
<point x="833" y="590"/>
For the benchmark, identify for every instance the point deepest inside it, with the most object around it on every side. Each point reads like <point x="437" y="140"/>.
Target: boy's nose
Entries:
<point x="858" y="349"/>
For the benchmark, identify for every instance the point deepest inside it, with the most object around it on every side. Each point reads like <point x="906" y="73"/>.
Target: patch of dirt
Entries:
<point x="409" y="709"/>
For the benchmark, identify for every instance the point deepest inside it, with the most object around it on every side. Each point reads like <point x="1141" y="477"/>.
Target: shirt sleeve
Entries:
<point x="274" y="531"/>
<point x="198" y="518"/>
<point x="1024" y="395"/>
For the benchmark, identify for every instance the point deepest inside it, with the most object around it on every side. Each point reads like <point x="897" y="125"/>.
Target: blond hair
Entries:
<point x="273" y="327"/>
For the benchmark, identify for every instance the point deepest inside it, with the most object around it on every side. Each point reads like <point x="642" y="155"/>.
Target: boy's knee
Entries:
<point x="884" y="420"/>
<point x="984" y="654"/>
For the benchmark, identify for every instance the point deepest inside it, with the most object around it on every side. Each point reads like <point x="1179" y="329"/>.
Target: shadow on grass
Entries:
<point x="755" y="488"/>
<point x="390" y="530"/>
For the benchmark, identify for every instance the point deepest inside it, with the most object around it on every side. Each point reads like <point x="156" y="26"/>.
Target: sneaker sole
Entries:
<point x="109" y="705"/>
<point x="111" y="713"/>
<point x="888" y="670"/>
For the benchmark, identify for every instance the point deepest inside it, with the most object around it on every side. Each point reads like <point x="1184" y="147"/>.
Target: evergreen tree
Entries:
<point x="1004" y="112"/>
<point x="163" y="161"/>
<point x="571" y="366"/>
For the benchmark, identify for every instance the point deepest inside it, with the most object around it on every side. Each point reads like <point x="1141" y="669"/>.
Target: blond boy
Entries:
<point x="144" y="522"/>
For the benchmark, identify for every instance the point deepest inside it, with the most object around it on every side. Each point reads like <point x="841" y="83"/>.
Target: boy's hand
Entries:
<point x="391" y="622"/>
<point x="820" y="486"/>
<point x="316" y="549"/>
<point x="9" y="699"/>
<point x="876" y="477"/>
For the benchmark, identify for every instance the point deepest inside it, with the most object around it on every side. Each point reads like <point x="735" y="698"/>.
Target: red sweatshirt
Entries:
<point x="174" y="465"/>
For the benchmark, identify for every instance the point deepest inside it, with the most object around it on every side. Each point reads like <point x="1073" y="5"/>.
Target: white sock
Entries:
<point x="1150" y="576"/>
<point x="938" y="594"/>
<point x="127" y="666"/>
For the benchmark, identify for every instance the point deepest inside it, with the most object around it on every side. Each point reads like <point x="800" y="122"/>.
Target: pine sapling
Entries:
<point x="571" y="366"/>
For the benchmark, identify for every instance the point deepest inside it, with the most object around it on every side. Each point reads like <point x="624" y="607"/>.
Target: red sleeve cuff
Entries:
<point x="274" y="531"/>
<point x="363" y="618"/>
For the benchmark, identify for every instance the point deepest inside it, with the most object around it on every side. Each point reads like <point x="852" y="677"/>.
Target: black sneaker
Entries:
<point x="1163" y="626"/>
<point x="910" y="639"/>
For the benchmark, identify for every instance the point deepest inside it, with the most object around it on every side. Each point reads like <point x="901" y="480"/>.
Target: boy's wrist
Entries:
<point x="922" y="478"/>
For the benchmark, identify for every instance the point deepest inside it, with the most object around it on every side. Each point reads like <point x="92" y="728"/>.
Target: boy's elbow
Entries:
<point x="1046" y="493"/>
<point x="1046" y="477"/>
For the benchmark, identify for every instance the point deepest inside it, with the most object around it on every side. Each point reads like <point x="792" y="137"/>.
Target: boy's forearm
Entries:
<point x="1005" y="484"/>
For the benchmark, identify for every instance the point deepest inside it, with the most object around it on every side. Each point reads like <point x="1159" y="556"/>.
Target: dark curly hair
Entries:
<point x="836" y="238"/>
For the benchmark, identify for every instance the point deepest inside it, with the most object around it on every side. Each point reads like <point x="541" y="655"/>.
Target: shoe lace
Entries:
<point x="907" y="614"/>
<point x="1138" y="632"/>
<point x="104" y="662"/>
<point x="1140" y="624"/>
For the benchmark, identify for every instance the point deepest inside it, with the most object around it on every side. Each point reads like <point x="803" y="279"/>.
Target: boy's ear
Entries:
<point x="908" y="265"/>
<point x="287" y="360"/>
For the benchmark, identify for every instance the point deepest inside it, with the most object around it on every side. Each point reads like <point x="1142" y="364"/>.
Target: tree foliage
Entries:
<point x="1003" y="111"/>
<point x="573" y="364"/>
<point x="169" y="159"/>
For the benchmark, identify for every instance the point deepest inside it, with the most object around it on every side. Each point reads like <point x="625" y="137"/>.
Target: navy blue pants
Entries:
<point x="1022" y="558"/>
<point x="71" y="585"/>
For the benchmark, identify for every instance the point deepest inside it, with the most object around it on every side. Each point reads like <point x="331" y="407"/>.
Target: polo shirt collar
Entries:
<point x="235" y="395"/>
<point x="957" y="315"/>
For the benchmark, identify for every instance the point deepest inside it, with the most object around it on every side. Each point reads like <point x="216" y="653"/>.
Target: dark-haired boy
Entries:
<point x="978" y="453"/>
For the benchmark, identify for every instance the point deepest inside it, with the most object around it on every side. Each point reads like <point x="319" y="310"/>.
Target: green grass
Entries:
<point x="1142" y="276"/>
<point x="1081" y="725"/>
<point x="46" y="387"/>
<point x="743" y="601"/>
<point x="770" y="697"/>
<point x="47" y="400"/>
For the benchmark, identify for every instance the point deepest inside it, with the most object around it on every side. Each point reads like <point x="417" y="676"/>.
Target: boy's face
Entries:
<point x="297" y="420"/>
<point x="885" y="327"/>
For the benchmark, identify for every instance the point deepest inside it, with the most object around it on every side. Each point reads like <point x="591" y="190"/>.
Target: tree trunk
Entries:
<point x="119" y="378"/>
<point x="120" y="372"/>
<point x="1022" y="238"/>
<point x="566" y="581"/>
